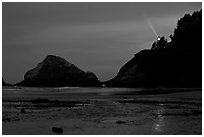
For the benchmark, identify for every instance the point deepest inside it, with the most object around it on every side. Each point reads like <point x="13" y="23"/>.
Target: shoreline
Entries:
<point x="81" y="114"/>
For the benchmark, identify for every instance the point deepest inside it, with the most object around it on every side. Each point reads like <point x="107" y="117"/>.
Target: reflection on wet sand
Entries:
<point x="159" y="120"/>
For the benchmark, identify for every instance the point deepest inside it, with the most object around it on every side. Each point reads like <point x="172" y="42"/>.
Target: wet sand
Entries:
<point x="36" y="111"/>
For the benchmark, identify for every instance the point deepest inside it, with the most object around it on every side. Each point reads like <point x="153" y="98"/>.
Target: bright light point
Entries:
<point x="158" y="38"/>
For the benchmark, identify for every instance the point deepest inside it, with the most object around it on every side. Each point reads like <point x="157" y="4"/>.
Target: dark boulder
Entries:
<point x="120" y="122"/>
<point x="4" y="83"/>
<point x="57" y="130"/>
<point x="55" y="71"/>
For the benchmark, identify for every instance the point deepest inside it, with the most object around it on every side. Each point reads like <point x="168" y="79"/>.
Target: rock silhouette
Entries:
<point x="177" y="63"/>
<point x="55" y="71"/>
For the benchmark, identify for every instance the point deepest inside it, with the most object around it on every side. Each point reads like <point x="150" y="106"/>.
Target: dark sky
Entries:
<point x="97" y="37"/>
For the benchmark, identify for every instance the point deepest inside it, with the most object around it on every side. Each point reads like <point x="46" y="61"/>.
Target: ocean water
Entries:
<point x="64" y="92"/>
<point x="86" y="91"/>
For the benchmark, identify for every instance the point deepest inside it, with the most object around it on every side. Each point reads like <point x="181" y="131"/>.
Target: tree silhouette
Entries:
<point x="188" y="33"/>
<point x="160" y="43"/>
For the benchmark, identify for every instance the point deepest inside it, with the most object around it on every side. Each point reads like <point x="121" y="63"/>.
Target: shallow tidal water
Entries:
<point x="101" y="111"/>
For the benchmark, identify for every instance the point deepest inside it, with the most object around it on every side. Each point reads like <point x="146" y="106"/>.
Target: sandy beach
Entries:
<point x="102" y="68"/>
<point x="35" y="111"/>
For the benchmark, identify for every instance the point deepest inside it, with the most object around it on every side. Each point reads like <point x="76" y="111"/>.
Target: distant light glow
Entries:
<point x="158" y="38"/>
<point x="150" y="25"/>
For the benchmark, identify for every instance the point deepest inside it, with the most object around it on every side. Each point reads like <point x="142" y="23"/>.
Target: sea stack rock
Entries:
<point x="55" y="71"/>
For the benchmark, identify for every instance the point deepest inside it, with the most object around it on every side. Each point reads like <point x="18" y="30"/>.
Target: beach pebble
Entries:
<point x="120" y="122"/>
<point x="23" y="110"/>
<point x="6" y="119"/>
<point x="57" y="130"/>
<point x="15" y="119"/>
<point x="49" y="117"/>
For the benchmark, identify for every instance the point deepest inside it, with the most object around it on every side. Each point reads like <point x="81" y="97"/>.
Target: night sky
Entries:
<point x="97" y="37"/>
